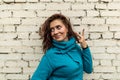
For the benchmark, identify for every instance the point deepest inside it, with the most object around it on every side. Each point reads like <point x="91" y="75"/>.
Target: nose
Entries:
<point x="56" y="31"/>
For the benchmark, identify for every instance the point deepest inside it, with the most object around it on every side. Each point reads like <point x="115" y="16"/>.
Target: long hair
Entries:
<point x="45" y="31"/>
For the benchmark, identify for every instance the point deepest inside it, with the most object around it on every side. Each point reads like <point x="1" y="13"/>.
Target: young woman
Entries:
<point x="64" y="59"/>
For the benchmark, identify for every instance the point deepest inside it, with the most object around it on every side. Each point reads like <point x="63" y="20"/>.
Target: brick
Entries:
<point x="46" y="13"/>
<point x="90" y="43"/>
<point x="57" y="0"/>
<point x="82" y="6"/>
<point x="23" y="49"/>
<point x="11" y="64"/>
<point x="118" y="57"/>
<point x="10" y="21"/>
<point x="10" y="56"/>
<point x="92" y="0"/>
<point x="80" y="28"/>
<point x="101" y="6"/>
<point x="27" y="70"/>
<point x="81" y="0"/>
<point x="45" y="0"/>
<point x="8" y="36"/>
<point x="73" y="13"/>
<point x="22" y="63"/>
<point x="118" y="43"/>
<point x="34" y="36"/>
<point x="1" y="28"/>
<point x="116" y="0"/>
<point x="33" y="63"/>
<point x="5" y="50"/>
<point x="113" y="6"/>
<point x="117" y="35"/>
<point x="96" y="63"/>
<point x="11" y="7"/>
<point x="24" y="14"/>
<point x="58" y="6"/>
<point x="32" y="21"/>
<point x="114" y="28"/>
<point x="39" y="50"/>
<point x="116" y="63"/>
<point x="23" y="35"/>
<point x="113" y="50"/>
<point x="107" y="35"/>
<point x="113" y="21"/>
<point x="110" y="13"/>
<point x="27" y="28"/>
<point x="98" y="49"/>
<point x="0" y="1"/>
<point x="9" y="28"/>
<point x="17" y="76"/>
<point x="110" y="76"/>
<point x="118" y="69"/>
<point x="8" y="1"/>
<point x="2" y="63"/>
<point x="95" y="35"/>
<point x="106" y="62"/>
<point x="69" y="0"/>
<point x="101" y="69"/>
<point x="11" y="70"/>
<point x="5" y="14"/>
<point x="20" y="1"/>
<point x="104" y="43"/>
<point x="2" y="77"/>
<point x="98" y="28"/>
<point x="91" y="76"/>
<point x="35" y="6"/>
<point x="31" y="56"/>
<point x="92" y="13"/>
<point x="93" y="21"/>
<point x="10" y="43"/>
<point x="106" y="0"/>
<point x="75" y="21"/>
<point x="32" y="0"/>
<point x="104" y="56"/>
<point x="16" y="64"/>
<point x="31" y="42"/>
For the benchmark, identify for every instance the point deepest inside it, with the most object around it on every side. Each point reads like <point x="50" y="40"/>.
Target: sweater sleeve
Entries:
<point x="43" y="70"/>
<point x="87" y="60"/>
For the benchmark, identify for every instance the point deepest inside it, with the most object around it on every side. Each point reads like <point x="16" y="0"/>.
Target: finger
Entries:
<point x="83" y="32"/>
<point x="77" y="34"/>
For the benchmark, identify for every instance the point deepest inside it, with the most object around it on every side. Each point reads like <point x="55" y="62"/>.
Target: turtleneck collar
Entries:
<point x="64" y="46"/>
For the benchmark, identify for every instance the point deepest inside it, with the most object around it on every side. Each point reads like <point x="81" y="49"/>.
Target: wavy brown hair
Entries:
<point x="45" y="31"/>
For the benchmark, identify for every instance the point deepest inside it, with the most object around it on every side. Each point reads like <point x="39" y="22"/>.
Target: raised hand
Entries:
<point x="81" y="39"/>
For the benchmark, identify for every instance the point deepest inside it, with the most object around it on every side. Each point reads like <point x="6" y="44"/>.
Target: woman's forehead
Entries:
<point x="56" y="22"/>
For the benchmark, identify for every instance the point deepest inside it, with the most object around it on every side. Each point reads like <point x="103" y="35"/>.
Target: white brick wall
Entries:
<point x="20" y="44"/>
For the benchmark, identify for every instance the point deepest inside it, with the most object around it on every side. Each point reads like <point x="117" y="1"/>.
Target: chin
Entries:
<point x="58" y="40"/>
<point x="61" y="39"/>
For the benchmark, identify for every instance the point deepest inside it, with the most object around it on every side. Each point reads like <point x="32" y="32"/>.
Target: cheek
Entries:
<point x="66" y="31"/>
<point x="51" y="34"/>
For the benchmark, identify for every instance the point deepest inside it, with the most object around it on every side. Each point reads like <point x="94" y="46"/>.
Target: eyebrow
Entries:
<point x="54" y="26"/>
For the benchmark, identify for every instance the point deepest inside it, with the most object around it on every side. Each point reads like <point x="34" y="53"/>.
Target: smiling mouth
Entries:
<point x="57" y="37"/>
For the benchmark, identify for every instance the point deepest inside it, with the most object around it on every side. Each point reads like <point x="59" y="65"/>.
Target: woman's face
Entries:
<point x="58" y="30"/>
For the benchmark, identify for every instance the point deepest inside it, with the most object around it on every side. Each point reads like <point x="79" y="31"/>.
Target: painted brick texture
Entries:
<point x="20" y="44"/>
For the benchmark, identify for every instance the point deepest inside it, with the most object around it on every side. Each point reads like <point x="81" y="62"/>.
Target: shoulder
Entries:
<point x="50" y="52"/>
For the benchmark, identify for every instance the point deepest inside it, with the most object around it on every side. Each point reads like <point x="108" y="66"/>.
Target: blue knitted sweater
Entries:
<point x="66" y="60"/>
